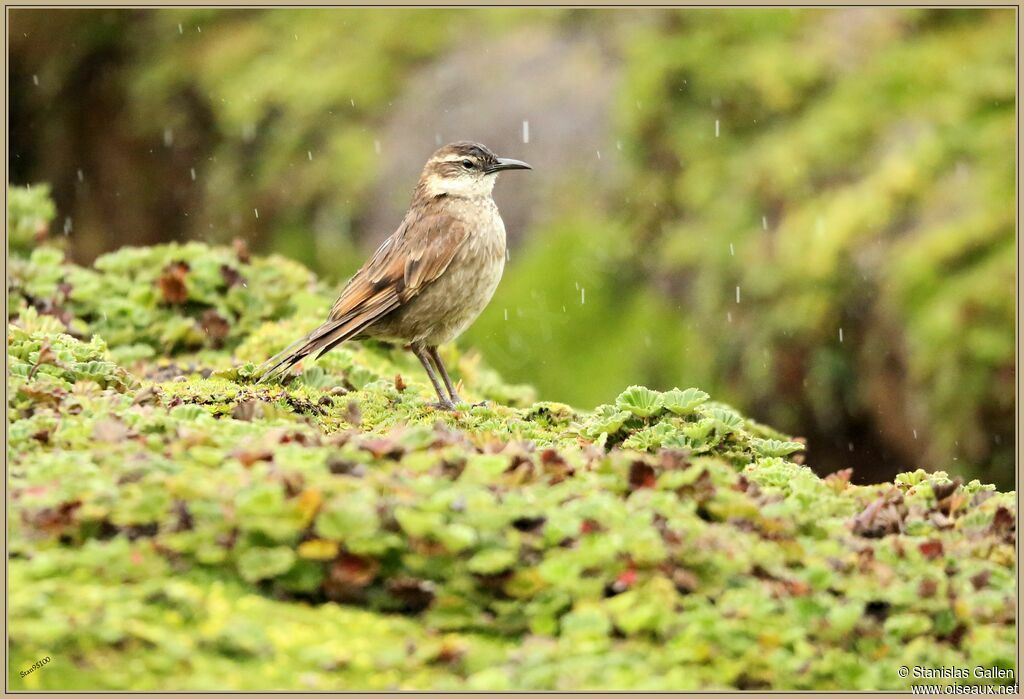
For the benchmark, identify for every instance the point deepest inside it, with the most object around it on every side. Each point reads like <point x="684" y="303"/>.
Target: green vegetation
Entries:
<point x="174" y="526"/>
<point x="818" y="221"/>
<point x="811" y="213"/>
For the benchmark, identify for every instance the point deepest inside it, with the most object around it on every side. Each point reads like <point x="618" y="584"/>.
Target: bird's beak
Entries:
<point x="507" y="164"/>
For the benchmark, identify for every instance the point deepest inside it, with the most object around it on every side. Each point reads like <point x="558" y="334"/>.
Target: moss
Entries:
<point x="174" y="526"/>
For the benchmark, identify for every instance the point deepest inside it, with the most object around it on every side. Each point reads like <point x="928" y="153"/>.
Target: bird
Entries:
<point x="431" y="278"/>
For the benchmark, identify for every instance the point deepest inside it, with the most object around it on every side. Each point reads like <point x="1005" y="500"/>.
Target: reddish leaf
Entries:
<point x="241" y="250"/>
<point x="927" y="588"/>
<point x="172" y="285"/>
<point x="232" y="277"/>
<point x="883" y="516"/>
<point x="1004" y="525"/>
<point x="931" y="549"/>
<point x="215" y="327"/>
<point x="641" y="475"/>
<point x="980" y="581"/>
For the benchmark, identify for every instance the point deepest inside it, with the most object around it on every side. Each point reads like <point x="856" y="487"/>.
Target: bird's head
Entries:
<point x="464" y="169"/>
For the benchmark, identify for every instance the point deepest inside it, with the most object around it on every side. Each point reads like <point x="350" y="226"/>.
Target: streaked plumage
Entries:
<point x="432" y="277"/>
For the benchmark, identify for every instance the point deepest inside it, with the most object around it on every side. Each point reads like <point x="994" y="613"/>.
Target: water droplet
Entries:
<point x="526" y="131"/>
<point x="840" y="334"/>
<point x="717" y="129"/>
<point x="737" y="294"/>
<point x="583" y="295"/>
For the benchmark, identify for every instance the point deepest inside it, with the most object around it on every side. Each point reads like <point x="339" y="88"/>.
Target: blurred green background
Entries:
<point x="808" y="213"/>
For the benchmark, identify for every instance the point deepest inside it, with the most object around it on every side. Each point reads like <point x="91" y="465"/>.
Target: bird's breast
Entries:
<point x="443" y="310"/>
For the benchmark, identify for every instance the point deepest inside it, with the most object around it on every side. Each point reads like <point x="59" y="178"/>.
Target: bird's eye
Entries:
<point x="468" y="164"/>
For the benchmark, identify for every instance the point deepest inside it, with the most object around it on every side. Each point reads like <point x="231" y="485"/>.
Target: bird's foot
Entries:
<point x="442" y="405"/>
<point x="482" y="404"/>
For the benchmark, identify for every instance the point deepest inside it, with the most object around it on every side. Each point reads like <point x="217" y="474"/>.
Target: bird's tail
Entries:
<point x="324" y="338"/>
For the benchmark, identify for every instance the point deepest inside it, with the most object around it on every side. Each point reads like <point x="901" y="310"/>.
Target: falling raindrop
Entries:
<point x="192" y="173"/>
<point x="732" y="250"/>
<point x="583" y="295"/>
<point x="35" y="80"/>
<point x="506" y="314"/>
<point x="257" y="212"/>
<point x="840" y="334"/>
<point x="764" y="223"/>
<point x="68" y="225"/>
<point x="737" y="294"/>
<point x="598" y="155"/>
<point x="915" y="434"/>
<point x="717" y="129"/>
<point x="376" y="147"/>
<point x="81" y="175"/>
<point x="352" y="102"/>
<point x="618" y="145"/>
<point x="526" y="131"/>
<point x="181" y="29"/>
<point x="437" y="138"/>
<point x="728" y="314"/>
<point x="309" y="154"/>
<point x="849" y="445"/>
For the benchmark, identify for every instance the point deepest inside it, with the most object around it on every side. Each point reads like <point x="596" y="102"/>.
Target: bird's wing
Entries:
<point x="406" y="263"/>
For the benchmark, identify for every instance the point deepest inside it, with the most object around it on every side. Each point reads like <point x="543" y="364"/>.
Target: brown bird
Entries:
<point x="435" y="274"/>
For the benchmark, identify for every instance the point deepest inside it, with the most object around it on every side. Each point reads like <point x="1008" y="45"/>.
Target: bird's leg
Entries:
<point x="432" y="351"/>
<point x="422" y="355"/>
